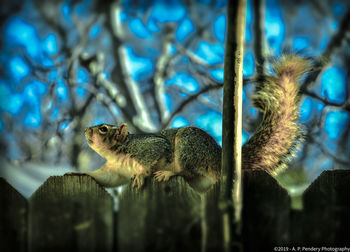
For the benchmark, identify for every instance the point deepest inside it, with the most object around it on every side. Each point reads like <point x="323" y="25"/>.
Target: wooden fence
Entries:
<point x="74" y="213"/>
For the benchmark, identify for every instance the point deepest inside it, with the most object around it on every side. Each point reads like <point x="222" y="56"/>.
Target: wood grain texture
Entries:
<point x="163" y="216"/>
<point x="266" y="212"/>
<point x="13" y="219"/>
<point x="326" y="203"/>
<point x="71" y="213"/>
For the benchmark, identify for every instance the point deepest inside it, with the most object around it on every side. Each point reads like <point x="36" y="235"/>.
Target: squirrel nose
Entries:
<point x="88" y="132"/>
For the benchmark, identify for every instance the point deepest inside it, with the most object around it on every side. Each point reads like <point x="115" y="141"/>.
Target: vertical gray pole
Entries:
<point x="231" y="193"/>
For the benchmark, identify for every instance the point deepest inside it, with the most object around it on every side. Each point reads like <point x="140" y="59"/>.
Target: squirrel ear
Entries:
<point x="122" y="132"/>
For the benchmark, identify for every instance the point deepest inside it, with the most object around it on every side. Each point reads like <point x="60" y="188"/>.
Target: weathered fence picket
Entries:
<point x="265" y="213"/>
<point x="13" y="219"/>
<point x="213" y="229"/>
<point x="70" y="213"/>
<point x="74" y="213"/>
<point x="160" y="217"/>
<point x="327" y="209"/>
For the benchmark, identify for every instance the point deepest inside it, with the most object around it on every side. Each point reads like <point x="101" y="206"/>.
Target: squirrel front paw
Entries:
<point x="163" y="175"/>
<point x="138" y="181"/>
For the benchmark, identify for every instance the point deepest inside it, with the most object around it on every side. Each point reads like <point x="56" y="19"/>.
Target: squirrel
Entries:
<point x="194" y="154"/>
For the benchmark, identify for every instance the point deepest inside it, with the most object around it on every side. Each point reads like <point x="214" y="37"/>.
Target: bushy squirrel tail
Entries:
<point x="275" y="140"/>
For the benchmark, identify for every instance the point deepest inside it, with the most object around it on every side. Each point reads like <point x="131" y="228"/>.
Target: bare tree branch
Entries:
<point x="120" y="75"/>
<point x="345" y="105"/>
<point x="329" y="153"/>
<point x="184" y="103"/>
<point x="259" y="32"/>
<point x="326" y="57"/>
<point x="160" y="73"/>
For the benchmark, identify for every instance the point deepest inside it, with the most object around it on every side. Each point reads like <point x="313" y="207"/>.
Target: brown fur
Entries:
<point x="192" y="153"/>
<point x="277" y="97"/>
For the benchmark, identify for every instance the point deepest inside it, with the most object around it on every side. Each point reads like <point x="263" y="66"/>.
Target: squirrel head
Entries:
<point x="105" y="138"/>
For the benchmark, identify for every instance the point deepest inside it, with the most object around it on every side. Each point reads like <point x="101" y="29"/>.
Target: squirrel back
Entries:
<point x="197" y="156"/>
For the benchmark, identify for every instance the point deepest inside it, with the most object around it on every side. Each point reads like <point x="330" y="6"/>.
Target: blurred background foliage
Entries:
<point x="67" y="65"/>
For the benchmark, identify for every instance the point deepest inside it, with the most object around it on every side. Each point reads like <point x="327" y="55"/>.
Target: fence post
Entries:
<point x="327" y="209"/>
<point x="162" y="216"/>
<point x="70" y="213"/>
<point x="13" y="219"/>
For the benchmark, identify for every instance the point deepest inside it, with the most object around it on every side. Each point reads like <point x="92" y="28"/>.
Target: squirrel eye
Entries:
<point x="103" y="129"/>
